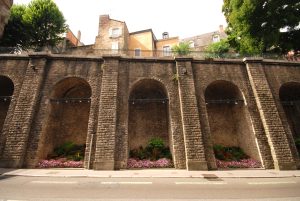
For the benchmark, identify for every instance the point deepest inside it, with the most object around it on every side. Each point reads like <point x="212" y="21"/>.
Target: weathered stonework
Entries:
<point x="101" y="91"/>
<point x="4" y="14"/>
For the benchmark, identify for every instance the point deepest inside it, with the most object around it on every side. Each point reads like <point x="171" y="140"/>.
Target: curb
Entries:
<point x="148" y="173"/>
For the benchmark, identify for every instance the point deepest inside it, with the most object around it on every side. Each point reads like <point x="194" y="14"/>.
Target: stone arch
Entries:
<point x="148" y="113"/>
<point x="6" y="93"/>
<point x="68" y="114"/>
<point x="289" y="94"/>
<point x="229" y="119"/>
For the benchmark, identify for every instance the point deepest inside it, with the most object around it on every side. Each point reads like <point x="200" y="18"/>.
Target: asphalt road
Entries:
<point x="140" y="189"/>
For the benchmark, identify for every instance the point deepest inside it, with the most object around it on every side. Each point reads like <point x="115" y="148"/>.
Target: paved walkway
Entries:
<point x="150" y="173"/>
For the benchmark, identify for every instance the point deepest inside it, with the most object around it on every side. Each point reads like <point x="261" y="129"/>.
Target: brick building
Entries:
<point x="114" y="38"/>
<point x="200" y="42"/>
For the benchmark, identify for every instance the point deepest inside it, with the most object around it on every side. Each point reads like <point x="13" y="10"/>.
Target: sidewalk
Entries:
<point x="150" y="173"/>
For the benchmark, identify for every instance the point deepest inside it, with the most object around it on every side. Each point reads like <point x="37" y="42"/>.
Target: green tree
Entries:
<point x="15" y="34"/>
<point x="182" y="49"/>
<point x="46" y="21"/>
<point x="218" y="49"/>
<point x="34" y="26"/>
<point x="256" y="26"/>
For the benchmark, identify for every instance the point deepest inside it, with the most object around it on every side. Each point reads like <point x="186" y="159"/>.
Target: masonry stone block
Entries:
<point x="275" y="132"/>
<point x="187" y="123"/>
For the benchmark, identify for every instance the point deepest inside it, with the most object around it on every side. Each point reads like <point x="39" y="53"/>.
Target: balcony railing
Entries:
<point x="89" y="50"/>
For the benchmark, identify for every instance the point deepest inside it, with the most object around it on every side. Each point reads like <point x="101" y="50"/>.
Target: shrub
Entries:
<point x="182" y="49"/>
<point x="154" y="151"/>
<point x="68" y="150"/>
<point x="229" y="153"/>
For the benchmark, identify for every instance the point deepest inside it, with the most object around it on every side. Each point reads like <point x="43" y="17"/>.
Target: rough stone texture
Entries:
<point x="285" y="74"/>
<point x="276" y="134"/>
<point x="234" y="72"/>
<point x="194" y="146"/>
<point x="4" y="14"/>
<point x="106" y="131"/>
<point x="20" y="125"/>
<point x="263" y="129"/>
<point x="148" y="114"/>
<point x="59" y="69"/>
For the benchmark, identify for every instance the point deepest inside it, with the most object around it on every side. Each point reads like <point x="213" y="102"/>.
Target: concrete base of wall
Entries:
<point x="10" y="164"/>
<point x="286" y="166"/>
<point x="104" y="165"/>
<point x="197" y="165"/>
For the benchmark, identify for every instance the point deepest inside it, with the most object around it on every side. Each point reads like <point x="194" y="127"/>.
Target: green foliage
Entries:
<point x="155" y="150"/>
<point x="182" y="49"/>
<point x="70" y="151"/>
<point x="256" y="26"/>
<point x="156" y="143"/>
<point x="46" y="21"/>
<point x="218" y="49"/>
<point x="15" y="34"/>
<point x="34" y="26"/>
<point x="229" y="153"/>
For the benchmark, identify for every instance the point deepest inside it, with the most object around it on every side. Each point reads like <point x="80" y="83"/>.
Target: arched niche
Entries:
<point x="6" y="92"/>
<point x="289" y="94"/>
<point x="69" y="107"/>
<point x="229" y="120"/>
<point x="148" y="113"/>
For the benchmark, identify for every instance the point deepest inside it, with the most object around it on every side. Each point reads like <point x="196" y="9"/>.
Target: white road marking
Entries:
<point x="54" y="182"/>
<point x="126" y="182"/>
<point x="200" y="183"/>
<point x="15" y="200"/>
<point x="271" y="182"/>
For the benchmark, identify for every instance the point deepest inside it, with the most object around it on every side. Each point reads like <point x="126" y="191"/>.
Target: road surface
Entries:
<point x="140" y="189"/>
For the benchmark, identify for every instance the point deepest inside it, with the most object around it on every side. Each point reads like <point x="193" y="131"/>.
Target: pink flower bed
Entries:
<point x="161" y="163"/>
<point x="60" y="163"/>
<point x="244" y="163"/>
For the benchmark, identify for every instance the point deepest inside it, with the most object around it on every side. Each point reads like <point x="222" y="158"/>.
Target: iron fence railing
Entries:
<point x="89" y="50"/>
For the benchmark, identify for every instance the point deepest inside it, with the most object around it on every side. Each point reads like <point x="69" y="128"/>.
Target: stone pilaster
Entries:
<point x="20" y="126"/>
<point x="107" y="116"/>
<point x="4" y="14"/>
<point x="194" y="146"/>
<point x="281" y="153"/>
<point x="95" y="80"/>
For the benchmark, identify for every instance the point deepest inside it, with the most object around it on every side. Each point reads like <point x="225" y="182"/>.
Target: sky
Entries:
<point x="183" y="18"/>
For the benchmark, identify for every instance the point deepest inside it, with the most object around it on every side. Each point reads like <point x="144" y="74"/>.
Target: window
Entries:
<point x="137" y="52"/>
<point x="114" y="32"/>
<point x="114" y="47"/>
<point x="167" y="50"/>
<point x="192" y="44"/>
<point x="216" y="38"/>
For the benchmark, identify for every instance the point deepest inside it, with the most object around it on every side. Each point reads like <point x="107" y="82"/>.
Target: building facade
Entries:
<point x="114" y="38"/>
<point x="113" y="104"/>
<point x="200" y="42"/>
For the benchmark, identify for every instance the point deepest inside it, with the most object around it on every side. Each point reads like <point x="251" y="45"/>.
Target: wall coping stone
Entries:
<point x="148" y="59"/>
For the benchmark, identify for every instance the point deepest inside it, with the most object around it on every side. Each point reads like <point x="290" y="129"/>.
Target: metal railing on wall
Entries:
<point x="70" y="100"/>
<point x="5" y="98"/>
<point x="150" y="53"/>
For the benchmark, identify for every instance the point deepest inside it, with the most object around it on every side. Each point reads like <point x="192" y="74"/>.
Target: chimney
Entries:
<point x="104" y="19"/>
<point x="221" y="29"/>
<point x="78" y="37"/>
<point x="165" y="35"/>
